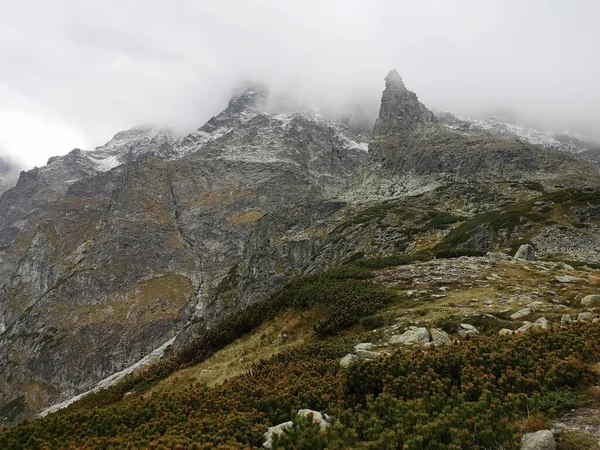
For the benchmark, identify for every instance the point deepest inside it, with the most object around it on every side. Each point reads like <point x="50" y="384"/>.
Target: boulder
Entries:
<point x="505" y="331"/>
<point x="317" y="417"/>
<point x="521" y="313"/>
<point x="365" y="354"/>
<point x="540" y="440"/>
<point x="525" y="327"/>
<point x="542" y="322"/>
<point x="364" y="346"/>
<point x="525" y="252"/>
<point x="439" y="337"/>
<point x="566" y="320"/>
<point x="347" y="360"/>
<point x="414" y="335"/>
<point x="467" y="330"/>
<point x="569" y="279"/>
<point x="276" y="430"/>
<point x="590" y="300"/>
<point x="585" y="316"/>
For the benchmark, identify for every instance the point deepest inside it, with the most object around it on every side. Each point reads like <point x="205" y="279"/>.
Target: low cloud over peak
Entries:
<point x="89" y="70"/>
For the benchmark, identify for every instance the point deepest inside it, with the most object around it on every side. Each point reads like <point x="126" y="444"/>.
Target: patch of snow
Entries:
<point x="114" y="378"/>
<point x="106" y="164"/>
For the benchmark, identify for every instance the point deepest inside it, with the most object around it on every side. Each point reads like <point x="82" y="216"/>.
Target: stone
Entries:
<point x="540" y="440"/>
<point x="525" y="252"/>
<point x="505" y="332"/>
<point x="566" y="320"/>
<point x="525" y="327"/>
<point x="439" y="337"/>
<point x="521" y="313"/>
<point x="466" y="329"/>
<point x="414" y="335"/>
<point x="317" y="417"/>
<point x="364" y="346"/>
<point x="542" y="322"/>
<point x="536" y="305"/>
<point x="591" y="300"/>
<point x="276" y="430"/>
<point x="347" y="360"/>
<point x="585" y="316"/>
<point x="596" y="320"/>
<point x="569" y="279"/>
<point x="366" y="354"/>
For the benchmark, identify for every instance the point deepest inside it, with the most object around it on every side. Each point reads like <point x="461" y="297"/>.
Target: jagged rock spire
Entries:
<point x="400" y="109"/>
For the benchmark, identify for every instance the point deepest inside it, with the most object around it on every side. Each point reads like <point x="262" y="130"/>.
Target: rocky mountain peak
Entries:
<point x="393" y="80"/>
<point x="400" y="109"/>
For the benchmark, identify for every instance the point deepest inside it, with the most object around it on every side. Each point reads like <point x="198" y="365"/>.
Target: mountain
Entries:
<point x="134" y="249"/>
<point x="500" y="126"/>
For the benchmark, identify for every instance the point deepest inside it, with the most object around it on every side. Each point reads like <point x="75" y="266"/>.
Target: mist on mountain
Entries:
<point x="97" y="69"/>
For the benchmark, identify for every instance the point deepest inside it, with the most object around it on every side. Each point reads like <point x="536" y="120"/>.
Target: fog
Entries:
<point x="73" y="73"/>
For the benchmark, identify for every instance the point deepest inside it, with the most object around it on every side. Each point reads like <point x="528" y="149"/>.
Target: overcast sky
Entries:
<point x="74" y="72"/>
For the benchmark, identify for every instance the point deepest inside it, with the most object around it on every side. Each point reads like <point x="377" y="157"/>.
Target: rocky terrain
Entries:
<point x="108" y="255"/>
<point x="500" y="126"/>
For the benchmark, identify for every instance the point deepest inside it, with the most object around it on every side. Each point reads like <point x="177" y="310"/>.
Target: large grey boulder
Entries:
<point x="540" y="440"/>
<point x="467" y="330"/>
<point x="276" y="430"/>
<point x="439" y="337"/>
<point x="521" y="313"/>
<point x="526" y="252"/>
<point x="323" y="420"/>
<point x="347" y="360"/>
<point x="591" y="300"/>
<point x="414" y="335"/>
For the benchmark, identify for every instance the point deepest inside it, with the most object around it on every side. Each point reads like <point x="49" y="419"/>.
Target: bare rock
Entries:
<point x="525" y="252"/>
<point x="439" y="337"/>
<point x="348" y="359"/>
<point x="540" y="440"/>
<point x="276" y="430"/>
<point x="566" y="320"/>
<point x="414" y="335"/>
<point x="467" y="330"/>
<point x="590" y="300"/>
<point x="521" y="313"/>
<point x="322" y="419"/>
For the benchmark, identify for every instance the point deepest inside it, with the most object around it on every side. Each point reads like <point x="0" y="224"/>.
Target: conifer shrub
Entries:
<point x="474" y="394"/>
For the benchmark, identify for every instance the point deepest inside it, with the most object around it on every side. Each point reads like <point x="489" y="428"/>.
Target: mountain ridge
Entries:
<point x="179" y="233"/>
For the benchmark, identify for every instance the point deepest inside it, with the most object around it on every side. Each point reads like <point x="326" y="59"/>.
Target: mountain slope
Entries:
<point x="152" y="238"/>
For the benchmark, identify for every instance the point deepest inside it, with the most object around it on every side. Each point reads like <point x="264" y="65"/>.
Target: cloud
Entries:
<point x="78" y="72"/>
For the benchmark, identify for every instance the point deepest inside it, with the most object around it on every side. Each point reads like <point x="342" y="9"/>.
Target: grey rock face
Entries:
<point x="400" y="110"/>
<point x="525" y="252"/>
<point x="540" y="440"/>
